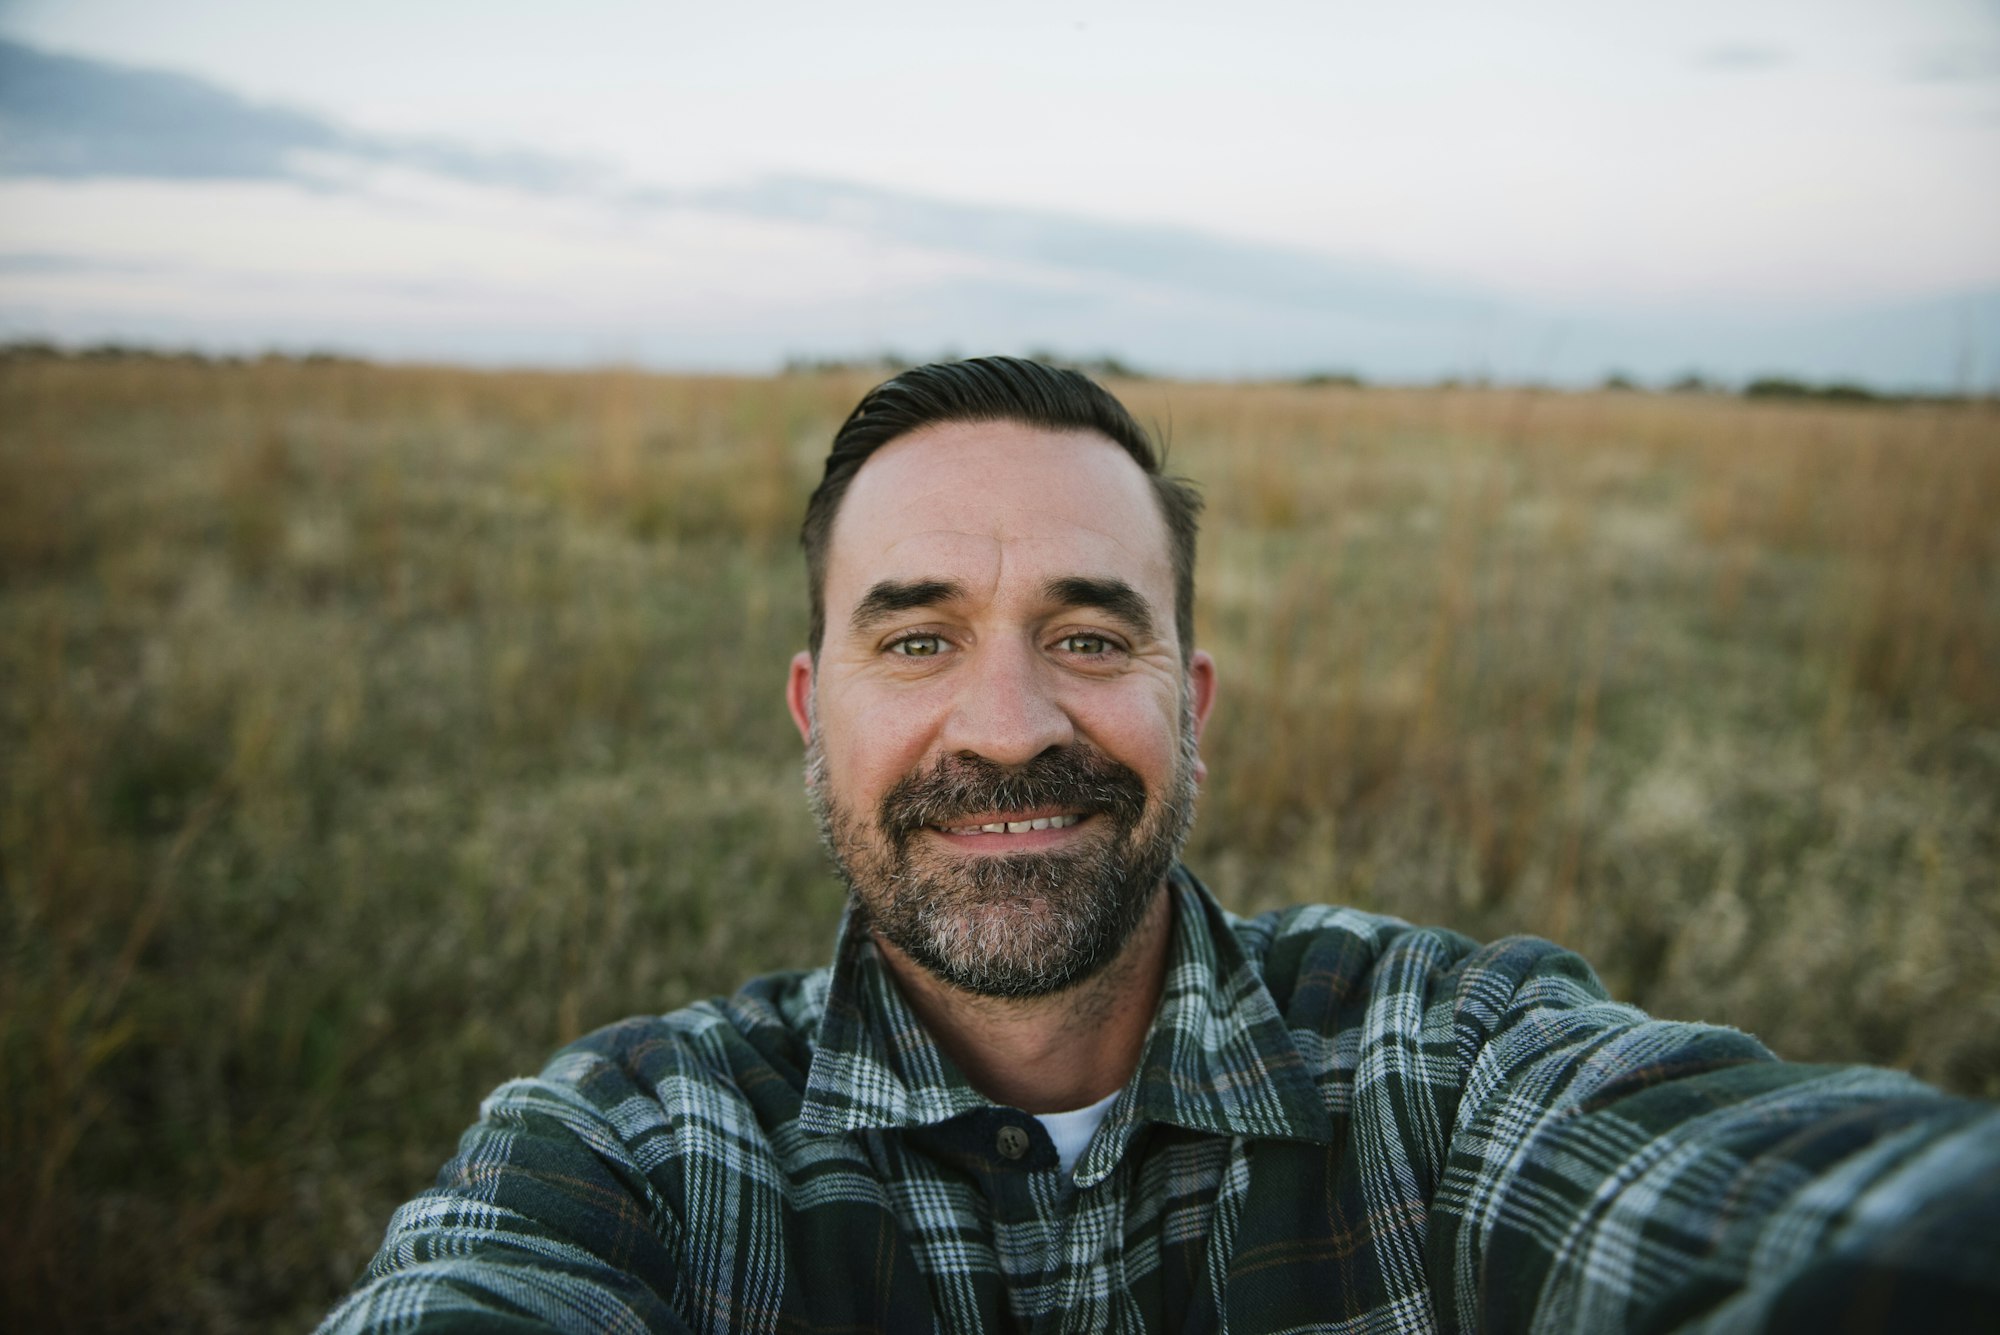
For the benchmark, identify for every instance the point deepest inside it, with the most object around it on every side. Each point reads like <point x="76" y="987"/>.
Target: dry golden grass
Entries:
<point x="368" y="733"/>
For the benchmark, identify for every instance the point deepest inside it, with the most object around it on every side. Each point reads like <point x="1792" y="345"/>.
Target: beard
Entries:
<point x="1009" y="924"/>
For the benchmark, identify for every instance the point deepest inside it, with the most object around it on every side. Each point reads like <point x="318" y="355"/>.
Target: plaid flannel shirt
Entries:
<point x="1339" y="1123"/>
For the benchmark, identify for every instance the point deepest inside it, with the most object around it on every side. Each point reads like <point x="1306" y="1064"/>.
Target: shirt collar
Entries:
<point x="1219" y="1058"/>
<point x="874" y="1064"/>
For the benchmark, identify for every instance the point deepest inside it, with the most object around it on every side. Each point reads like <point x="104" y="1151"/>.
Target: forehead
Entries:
<point x="983" y="502"/>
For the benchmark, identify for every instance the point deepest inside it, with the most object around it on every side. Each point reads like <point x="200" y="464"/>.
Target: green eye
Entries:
<point x="917" y="646"/>
<point x="1085" y="644"/>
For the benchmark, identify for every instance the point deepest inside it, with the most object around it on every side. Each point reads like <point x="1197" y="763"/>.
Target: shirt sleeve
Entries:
<point x="543" y="1221"/>
<point x="1606" y="1171"/>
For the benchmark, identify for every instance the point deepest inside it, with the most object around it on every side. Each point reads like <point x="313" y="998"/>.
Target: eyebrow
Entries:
<point x="887" y="598"/>
<point x="1114" y="596"/>
<point x="890" y="596"/>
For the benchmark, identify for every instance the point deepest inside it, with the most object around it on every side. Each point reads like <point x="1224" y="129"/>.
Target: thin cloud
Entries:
<point x="70" y="118"/>
<point x="66" y="117"/>
<point x="1741" y="57"/>
<point x="1956" y="65"/>
<point x="1150" y="256"/>
<point x="239" y="279"/>
<point x="56" y="262"/>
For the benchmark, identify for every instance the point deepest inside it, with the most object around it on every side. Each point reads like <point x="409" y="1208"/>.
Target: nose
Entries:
<point x="1006" y="708"/>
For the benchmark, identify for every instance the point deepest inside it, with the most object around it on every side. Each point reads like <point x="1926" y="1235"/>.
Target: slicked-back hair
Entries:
<point x="995" y="389"/>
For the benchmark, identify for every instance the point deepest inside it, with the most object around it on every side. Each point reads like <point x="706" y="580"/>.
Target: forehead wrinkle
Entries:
<point x="953" y="487"/>
<point x="1004" y="537"/>
<point x="946" y="554"/>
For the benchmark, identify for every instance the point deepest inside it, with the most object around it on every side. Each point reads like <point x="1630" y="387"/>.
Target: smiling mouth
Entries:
<point x="1019" y="825"/>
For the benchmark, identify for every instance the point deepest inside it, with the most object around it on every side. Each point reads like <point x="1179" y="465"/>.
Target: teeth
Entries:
<point x="1015" y="826"/>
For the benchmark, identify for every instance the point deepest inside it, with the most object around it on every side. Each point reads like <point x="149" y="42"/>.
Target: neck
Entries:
<point x="1054" y="1053"/>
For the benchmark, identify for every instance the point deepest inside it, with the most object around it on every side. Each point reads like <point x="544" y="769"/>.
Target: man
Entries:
<point x="1048" y="1083"/>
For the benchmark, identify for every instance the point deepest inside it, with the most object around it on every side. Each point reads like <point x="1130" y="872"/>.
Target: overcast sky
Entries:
<point x="1545" y="190"/>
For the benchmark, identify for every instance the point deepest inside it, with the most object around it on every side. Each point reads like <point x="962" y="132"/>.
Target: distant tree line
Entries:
<point x="1839" y="391"/>
<point x="1692" y="382"/>
<point x="1103" y="365"/>
<point x="41" y="350"/>
<point x="1781" y="387"/>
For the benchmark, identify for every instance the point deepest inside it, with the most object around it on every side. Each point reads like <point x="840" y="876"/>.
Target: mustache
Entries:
<point x="1077" y="777"/>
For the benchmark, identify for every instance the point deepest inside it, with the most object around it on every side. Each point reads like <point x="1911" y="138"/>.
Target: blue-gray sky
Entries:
<point x="1544" y="190"/>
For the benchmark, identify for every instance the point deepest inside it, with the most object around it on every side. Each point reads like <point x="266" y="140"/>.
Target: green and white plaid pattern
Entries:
<point x="1340" y="1123"/>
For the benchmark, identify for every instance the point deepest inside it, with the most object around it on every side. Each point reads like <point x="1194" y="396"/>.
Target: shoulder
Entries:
<point x="752" y="1046"/>
<point x="1315" y="956"/>
<point x="1350" y="952"/>
<point x="1374" y="981"/>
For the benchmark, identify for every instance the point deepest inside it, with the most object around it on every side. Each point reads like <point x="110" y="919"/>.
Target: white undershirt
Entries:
<point x="1071" y="1131"/>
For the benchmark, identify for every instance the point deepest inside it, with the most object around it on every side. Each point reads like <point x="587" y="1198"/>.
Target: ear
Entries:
<point x="1201" y="687"/>
<point x="798" y="692"/>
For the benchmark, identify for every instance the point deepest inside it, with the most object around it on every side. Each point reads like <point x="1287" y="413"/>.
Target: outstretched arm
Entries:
<point x="1609" y="1172"/>
<point x="543" y="1221"/>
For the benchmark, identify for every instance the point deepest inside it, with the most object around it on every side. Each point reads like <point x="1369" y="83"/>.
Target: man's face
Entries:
<point x="1000" y="652"/>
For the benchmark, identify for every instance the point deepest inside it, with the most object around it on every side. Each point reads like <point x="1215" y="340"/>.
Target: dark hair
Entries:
<point x="994" y="389"/>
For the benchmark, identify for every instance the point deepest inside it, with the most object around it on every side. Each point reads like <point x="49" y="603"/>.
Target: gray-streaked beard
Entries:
<point x="1014" y="924"/>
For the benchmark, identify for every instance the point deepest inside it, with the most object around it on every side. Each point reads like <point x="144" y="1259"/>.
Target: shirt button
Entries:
<point x="1013" y="1141"/>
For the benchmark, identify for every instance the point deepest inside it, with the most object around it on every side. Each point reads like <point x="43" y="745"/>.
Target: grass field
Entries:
<point x="368" y="733"/>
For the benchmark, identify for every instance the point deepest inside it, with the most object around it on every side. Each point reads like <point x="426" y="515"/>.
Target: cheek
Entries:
<point x="1138" y="730"/>
<point x="874" y="740"/>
